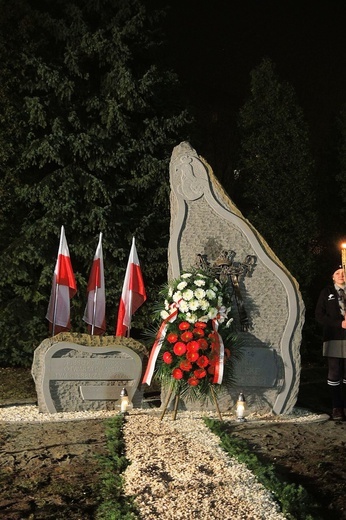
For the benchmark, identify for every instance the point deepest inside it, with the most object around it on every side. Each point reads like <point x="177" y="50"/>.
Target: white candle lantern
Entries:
<point x="124" y="401"/>
<point x="241" y="403"/>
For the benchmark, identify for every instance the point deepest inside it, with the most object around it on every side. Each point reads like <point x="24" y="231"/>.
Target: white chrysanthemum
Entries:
<point x="219" y="301"/>
<point x="200" y="293"/>
<point x="223" y="311"/>
<point x="170" y="292"/>
<point x="200" y="275"/>
<point x="166" y="305"/>
<point x="229" y="323"/>
<point x="181" y="286"/>
<point x="193" y="305"/>
<point x="199" y="283"/>
<point x="177" y="296"/>
<point x="164" y="314"/>
<point x="204" y="304"/>
<point x="204" y="319"/>
<point x="183" y="306"/>
<point x="210" y="294"/>
<point x="187" y="295"/>
<point x="191" y="318"/>
<point x="212" y="313"/>
<point x="186" y="275"/>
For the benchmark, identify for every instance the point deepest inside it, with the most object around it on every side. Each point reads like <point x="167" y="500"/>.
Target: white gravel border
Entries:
<point x="30" y="413"/>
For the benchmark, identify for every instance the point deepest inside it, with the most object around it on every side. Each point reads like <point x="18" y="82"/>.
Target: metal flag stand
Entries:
<point x="177" y="399"/>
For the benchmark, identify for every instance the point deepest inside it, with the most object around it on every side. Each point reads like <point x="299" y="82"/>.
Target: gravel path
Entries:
<point x="178" y="471"/>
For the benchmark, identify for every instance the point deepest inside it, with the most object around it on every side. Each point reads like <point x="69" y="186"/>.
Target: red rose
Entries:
<point x="172" y="338"/>
<point x="186" y="336"/>
<point x="200" y="373"/>
<point x="202" y="361"/>
<point x="167" y="357"/>
<point x="192" y="346"/>
<point x="193" y="381"/>
<point x="179" y="348"/>
<point x="203" y="343"/>
<point x="198" y="332"/>
<point x="185" y="365"/>
<point x="192" y="356"/>
<point x="200" y="325"/>
<point x="212" y="336"/>
<point x="184" y="325"/>
<point x="177" y="373"/>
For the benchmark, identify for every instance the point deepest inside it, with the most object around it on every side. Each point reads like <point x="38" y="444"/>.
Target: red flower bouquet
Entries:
<point x="194" y="345"/>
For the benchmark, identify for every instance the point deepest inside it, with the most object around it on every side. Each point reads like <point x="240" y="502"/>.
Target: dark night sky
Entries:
<point x="216" y="43"/>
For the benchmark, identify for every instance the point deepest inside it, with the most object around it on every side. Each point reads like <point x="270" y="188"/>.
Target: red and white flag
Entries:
<point x="133" y="294"/>
<point x="63" y="288"/>
<point x="95" y="310"/>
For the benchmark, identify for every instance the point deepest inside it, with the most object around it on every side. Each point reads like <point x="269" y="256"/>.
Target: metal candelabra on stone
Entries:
<point x="229" y="272"/>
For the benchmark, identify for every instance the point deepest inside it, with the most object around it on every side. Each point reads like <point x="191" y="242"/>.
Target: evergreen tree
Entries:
<point x="276" y="173"/>
<point x="89" y="119"/>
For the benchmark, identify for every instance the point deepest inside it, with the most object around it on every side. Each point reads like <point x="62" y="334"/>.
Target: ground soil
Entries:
<point x="50" y="471"/>
<point x="312" y="455"/>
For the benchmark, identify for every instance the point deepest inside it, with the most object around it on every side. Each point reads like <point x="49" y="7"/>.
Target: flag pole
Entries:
<point x="94" y="311"/>
<point x="55" y="308"/>
<point x="130" y="298"/>
<point x="130" y="305"/>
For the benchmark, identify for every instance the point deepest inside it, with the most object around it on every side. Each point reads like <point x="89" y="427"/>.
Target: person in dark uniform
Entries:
<point x="330" y="313"/>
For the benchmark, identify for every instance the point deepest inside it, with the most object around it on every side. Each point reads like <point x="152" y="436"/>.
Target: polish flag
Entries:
<point x="133" y="294"/>
<point x="63" y="288"/>
<point x="95" y="310"/>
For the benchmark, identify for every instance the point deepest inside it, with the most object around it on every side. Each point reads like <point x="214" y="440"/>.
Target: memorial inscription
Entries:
<point x="73" y="377"/>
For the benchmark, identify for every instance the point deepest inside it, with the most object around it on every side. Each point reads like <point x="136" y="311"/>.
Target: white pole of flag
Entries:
<point x="94" y="311"/>
<point x="55" y="307"/>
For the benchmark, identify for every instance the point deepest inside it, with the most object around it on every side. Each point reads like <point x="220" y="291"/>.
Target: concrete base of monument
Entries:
<point x="79" y="372"/>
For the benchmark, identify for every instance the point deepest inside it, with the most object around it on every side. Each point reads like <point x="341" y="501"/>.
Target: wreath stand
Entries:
<point x="176" y="403"/>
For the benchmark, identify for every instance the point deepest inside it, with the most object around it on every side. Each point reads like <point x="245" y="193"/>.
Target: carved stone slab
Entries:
<point x="75" y="377"/>
<point x="205" y="221"/>
<point x="259" y="365"/>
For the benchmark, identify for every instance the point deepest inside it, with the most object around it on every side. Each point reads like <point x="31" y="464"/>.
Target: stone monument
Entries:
<point x="206" y="224"/>
<point x="79" y="372"/>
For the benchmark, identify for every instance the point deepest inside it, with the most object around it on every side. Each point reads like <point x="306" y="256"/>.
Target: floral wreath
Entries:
<point x="194" y="349"/>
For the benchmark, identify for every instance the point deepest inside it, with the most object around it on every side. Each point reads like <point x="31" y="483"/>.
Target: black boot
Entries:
<point x="337" y="401"/>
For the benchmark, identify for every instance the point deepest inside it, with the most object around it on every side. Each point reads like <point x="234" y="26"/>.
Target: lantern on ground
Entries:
<point x="241" y="403"/>
<point x="124" y="401"/>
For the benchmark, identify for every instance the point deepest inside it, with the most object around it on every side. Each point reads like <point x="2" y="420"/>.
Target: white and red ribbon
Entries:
<point x="160" y="336"/>
<point x="220" y="362"/>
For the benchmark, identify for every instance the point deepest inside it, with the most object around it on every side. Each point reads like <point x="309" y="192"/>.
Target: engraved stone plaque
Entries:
<point x="260" y="367"/>
<point x="73" y="377"/>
